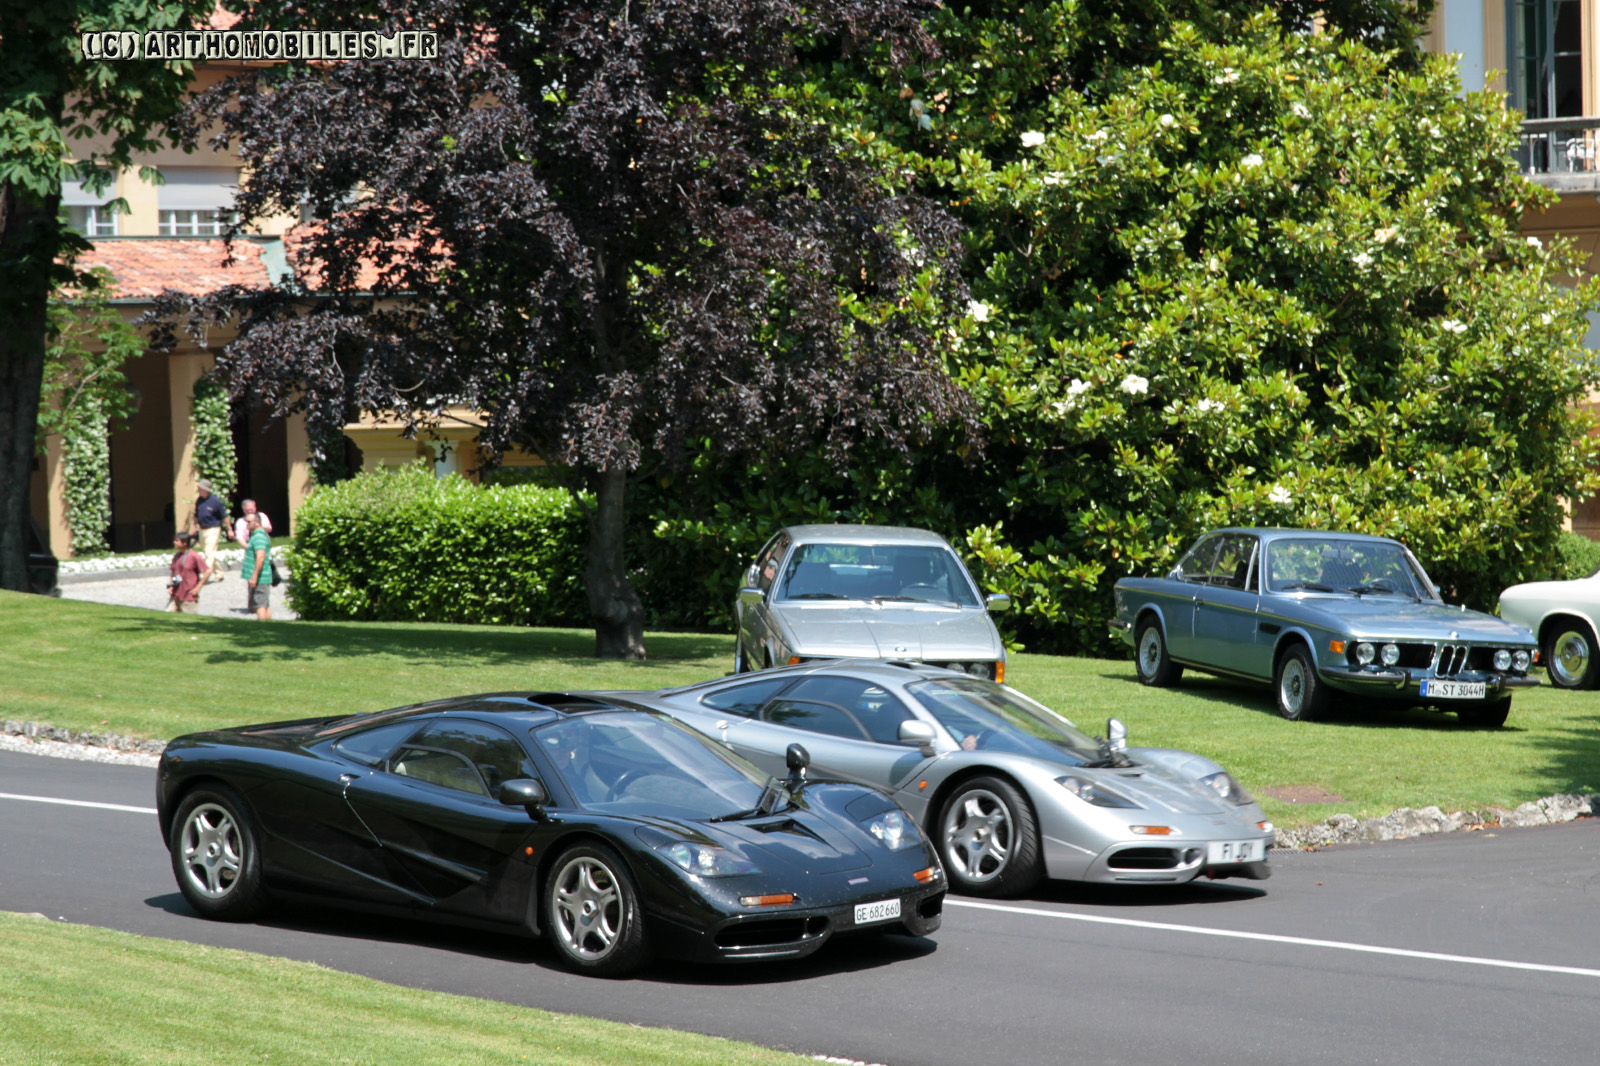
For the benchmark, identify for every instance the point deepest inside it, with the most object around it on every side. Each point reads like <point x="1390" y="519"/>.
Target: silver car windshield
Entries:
<point x="622" y="762"/>
<point x="912" y="573"/>
<point x="1330" y="564"/>
<point x="984" y="716"/>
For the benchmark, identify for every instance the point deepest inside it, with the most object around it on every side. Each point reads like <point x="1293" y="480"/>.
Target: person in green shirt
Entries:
<point x="256" y="570"/>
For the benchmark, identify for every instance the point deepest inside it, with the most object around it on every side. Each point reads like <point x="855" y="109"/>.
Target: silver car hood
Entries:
<point x="892" y="631"/>
<point x="1155" y="787"/>
<point x="1384" y="617"/>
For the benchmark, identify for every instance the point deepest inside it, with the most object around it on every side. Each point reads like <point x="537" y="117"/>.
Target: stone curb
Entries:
<point x="114" y="741"/>
<point x="1409" y="822"/>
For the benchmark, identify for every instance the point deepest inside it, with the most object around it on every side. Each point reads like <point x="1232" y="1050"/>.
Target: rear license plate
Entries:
<point x="1454" y="690"/>
<point x="882" y="911"/>
<point x="1219" y="851"/>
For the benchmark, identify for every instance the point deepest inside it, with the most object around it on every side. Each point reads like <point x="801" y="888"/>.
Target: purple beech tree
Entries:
<point x="613" y="227"/>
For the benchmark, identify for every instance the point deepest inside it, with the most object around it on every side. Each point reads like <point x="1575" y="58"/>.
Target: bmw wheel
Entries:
<point x="592" y="912"/>
<point x="1155" y="667"/>
<point x="216" y="857"/>
<point x="1569" y="655"/>
<point x="1300" y="692"/>
<point x="989" y="839"/>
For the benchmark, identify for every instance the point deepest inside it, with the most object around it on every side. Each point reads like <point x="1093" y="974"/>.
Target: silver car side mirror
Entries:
<point x="918" y="733"/>
<point x="997" y="602"/>
<point x="1116" y="735"/>
<point x="751" y="597"/>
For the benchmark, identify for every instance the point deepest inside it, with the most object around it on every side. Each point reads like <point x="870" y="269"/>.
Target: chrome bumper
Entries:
<point x="1404" y="681"/>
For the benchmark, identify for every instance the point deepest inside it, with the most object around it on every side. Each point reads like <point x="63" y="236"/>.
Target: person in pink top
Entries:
<point x="188" y="568"/>
<point x="241" y="527"/>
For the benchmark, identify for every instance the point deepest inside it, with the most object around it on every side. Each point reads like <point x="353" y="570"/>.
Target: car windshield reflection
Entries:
<point x="903" y="573"/>
<point x="984" y="716"/>
<point x="625" y="762"/>
<point x="1332" y="565"/>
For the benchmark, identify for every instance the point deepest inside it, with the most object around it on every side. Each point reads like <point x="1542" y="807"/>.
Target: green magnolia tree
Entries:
<point x="1223" y="272"/>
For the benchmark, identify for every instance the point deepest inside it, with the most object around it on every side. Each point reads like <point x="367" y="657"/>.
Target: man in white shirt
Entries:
<point x="241" y="528"/>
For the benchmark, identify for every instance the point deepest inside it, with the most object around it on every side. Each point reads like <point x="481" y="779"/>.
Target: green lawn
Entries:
<point x="87" y="666"/>
<point x="87" y="997"/>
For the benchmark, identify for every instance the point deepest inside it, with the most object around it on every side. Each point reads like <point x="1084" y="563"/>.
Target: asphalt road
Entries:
<point x="1463" y="948"/>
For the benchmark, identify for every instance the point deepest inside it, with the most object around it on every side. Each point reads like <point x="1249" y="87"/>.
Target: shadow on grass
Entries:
<point x="468" y="647"/>
<point x="847" y="954"/>
<point x="1344" y="710"/>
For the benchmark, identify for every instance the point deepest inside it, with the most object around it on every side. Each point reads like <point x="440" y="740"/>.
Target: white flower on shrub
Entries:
<point x="1134" y="385"/>
<point x="1099" y="135"/>
<point x="1209" y="405"/>
<point x="1052" y="178"/>
<point x="1387" y="234"/>
<point x="1534" y="242"/>
<point x="1167" y="122"/>
<point x="1227" y="77"/>
<point x="1077" y="388"/>
<point x="1279" y="494"/>
<point x="978" y="310"/>
<point x="1251" y="160"/>
<point x="1362" y="260"/>
<point x="1450" y="325"/>
<point x="1032" y="139"/>
<point x="1300" y="110"/>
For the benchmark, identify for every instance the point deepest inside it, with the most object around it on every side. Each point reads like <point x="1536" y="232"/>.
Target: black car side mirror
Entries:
<point x="797" y="758"/>
<point x="526" y="792"/>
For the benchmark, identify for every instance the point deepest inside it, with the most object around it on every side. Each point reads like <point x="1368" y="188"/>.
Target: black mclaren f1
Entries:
<point x="616" y="833"/>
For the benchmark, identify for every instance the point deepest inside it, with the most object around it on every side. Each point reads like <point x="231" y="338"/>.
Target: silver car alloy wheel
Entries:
<point x="1569" y="657"/>
<point x="1292" y="686"/>
<point x="978" y="835"/>
<point x="1150" y="652"/>
<point x="212" y="850"/>
<point x="588" y="908"/>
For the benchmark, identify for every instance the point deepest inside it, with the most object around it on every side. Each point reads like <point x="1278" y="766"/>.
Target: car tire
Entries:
<point x="216" y="855"/>
<point x="1150" y="658"/>
<point x="1485" y="715"/>
<point x="989" y="839"/>
<point x="1300" y="694"/>
<point x="592" y="912"/>
<point x="1570" y="657"/>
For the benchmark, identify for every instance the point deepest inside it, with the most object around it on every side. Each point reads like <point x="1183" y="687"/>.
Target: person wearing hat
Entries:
<point x="209" y="514"/>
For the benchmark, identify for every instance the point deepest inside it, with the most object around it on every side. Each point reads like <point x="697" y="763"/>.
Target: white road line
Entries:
<point x="78" y="803"/>
<point x="1370" y="949"/>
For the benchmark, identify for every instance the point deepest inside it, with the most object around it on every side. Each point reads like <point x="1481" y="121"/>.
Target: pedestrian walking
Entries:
<point x="257" y="568"/>
<point x="209" y="514"/>
<point x="187" y="573"/>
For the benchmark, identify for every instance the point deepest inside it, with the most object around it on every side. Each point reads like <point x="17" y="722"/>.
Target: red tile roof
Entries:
<point x="192" y="265"/>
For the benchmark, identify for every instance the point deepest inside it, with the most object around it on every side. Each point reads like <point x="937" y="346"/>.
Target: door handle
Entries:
<point x="347" y="778"/>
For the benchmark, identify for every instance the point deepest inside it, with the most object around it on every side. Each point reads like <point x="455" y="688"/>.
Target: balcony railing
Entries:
<point x="1562" y="153"/>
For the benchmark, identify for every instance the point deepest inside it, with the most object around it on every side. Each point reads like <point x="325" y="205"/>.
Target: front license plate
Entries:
<point x="882" y="911"/>
<point x="1454" y="690"/>
<point x="1219" y="851"/>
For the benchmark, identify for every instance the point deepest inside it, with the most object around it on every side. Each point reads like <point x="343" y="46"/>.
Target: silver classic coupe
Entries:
<point x="1009" y="790"/>
<point x="865" y="592"/>
<point x="1317" y="613"/>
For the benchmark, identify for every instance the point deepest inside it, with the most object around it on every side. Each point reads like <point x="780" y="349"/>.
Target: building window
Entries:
<point x="91" y="220"/>
<point x="194" y="222"/>
<point x="1544" y="45"/>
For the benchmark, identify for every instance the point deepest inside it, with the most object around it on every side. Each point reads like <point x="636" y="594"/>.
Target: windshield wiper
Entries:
<point x="913" y="599"/>
<point x="1380" y="586"/>
<point x="1312" y="585"/>
<point x="764" y="806"/>
<point x="819" y="596"/>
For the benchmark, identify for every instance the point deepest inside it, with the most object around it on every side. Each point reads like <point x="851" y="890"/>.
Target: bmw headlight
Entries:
<point x="1390" y="654"/>
<point x="1365" y="653"/>
<point x="706" y="860"/>
<point x="1502" y="659"/>
<point x="1094" y="792"/>
<point x="1521" y="660"/>
<point x="1226" y="787"/>
<point x="893" y="829"/>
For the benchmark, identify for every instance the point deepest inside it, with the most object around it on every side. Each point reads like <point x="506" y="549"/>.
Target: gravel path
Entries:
<point x="148" y="588"/>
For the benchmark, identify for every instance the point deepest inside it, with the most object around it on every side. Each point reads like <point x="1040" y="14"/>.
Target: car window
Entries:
<point x="885" y="572"/>
<point x="1230" y="567"/>
<point x="374" y="745"/>
<point x="870" y="704"/>
<point x="494" y="753"/>
<point x="447" y="768"/>
<point x="1333" y="564"/>
<point x="1196" y="565"/>
<point x="814" y="716"/>
<point x="744" y="700"/>
<point x="766" y="564"/>
<point x="984" y="716"/>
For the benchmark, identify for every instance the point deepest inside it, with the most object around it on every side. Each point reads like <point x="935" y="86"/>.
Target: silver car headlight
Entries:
<point x="1390" y="654"/>
<point x="1224" y="785"/>
<point x="1521" y="660"/>
<point x="1502" y="659"/>
<point x="893" y="829"/>
<point x="1365" y="653"/>
<point x="706" y="860"/>
<point x="1094" y="792"/>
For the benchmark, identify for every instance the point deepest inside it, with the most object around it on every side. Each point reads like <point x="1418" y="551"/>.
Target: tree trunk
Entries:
<point x="26" y="235"/>
<point x="618" y="614"/>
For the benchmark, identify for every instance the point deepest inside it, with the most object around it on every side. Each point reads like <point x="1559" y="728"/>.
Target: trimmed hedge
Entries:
<point x="1578" y="556"/>
<point x="403" y="545"/>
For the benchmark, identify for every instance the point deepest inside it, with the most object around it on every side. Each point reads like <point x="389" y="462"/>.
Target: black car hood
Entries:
<point x="807" y="838"/>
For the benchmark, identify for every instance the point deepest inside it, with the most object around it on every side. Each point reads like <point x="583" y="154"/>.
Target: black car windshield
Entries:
<point x="984" y="716"/>
<point x="913" y="573"/>
<point x="636" y="763"/>
<point x="1358" y="567"/>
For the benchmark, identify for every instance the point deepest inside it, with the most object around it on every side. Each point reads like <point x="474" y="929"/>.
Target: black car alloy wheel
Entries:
<point x="215" y="855"/>
<point x="989" y="839"/>
<point x="592" y="912"/>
